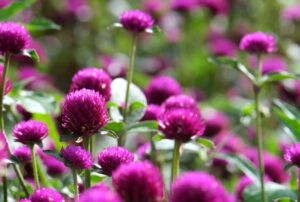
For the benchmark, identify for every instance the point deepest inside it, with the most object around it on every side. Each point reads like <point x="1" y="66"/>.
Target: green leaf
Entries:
<point x="111" y="104"/>
<point x="287" y="167"/>
<point x="14" y="8"/>
<point x="143" y="127"/>
<point x="278" y="76"/>
<point x="110" y="133"/>
<point x="243" y="164"/>
<point x="233" y="63"/>
<point x="114" y="126"/>
<point x="273" y="190"/>
<point x="41" y="24"/>
<point x="136" y="106"/>
<point x="205" y="143"/>
<point x="31" y="54"/>
<point x="115" y="25"/>
<point x="54" y="154"/>
<point x="158" y="137"/>
<point x="97" y="178"/>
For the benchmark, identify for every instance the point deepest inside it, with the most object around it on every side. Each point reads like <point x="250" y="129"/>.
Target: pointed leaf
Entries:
<point x="144" y="126"/>
<point x="42" y="24"/>
<point x="31" y="53"/>
<point x="205" y="142"/>
<point x="158" y="137"/>
<point x="278" y="76"/>
<point x="14" y="8"/>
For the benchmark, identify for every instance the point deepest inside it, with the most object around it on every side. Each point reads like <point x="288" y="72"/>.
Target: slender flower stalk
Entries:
<point x="41" y="174"/>
<point x="34" y="167"/>
<point x="87" y="172"/>
<point x="6" y="65"/>
<point x="4" y="184"/>
<point x="74" y="173"/>
<point x="153" y="153"/>
<point x="122" y="139"/>
<point x="175" y="161"/>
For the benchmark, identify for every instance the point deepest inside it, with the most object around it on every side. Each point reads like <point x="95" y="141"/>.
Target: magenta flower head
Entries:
<point x="151" y="113"/>
<point x="84" y="112"/>
<point x="8" y="86"/>
<point x="4" y="153"/>
<point x="292" y="155"/>
<point x="99" y="194"/>
<point x="136" y="21"/>
<point x="258" y="42"/>
<point x="184" y="5"/>
<point x="193" y="186"/>
<point x="273" y="64"/>
<point x="5" y="3"/>
<point x="23" y="154"/>
<point x="181" y="124"/>
<point x="215" y="122"/>
<point x="93" y="79"/>
<point x="76" y="157"/>
<point x="243" y="183"/>
<point x="216" y="6"/>
<point x="160" y="88"/>
<point x="54" y="167"/>
<point x="14" y="37"/>
<point x="111" y="158"/>
<point x="46" y="195"/>
<point x="180" y="102"/>
<point x="291" y="13"/>
<point x="146" y="183"/>
<point x="30" y="132"/>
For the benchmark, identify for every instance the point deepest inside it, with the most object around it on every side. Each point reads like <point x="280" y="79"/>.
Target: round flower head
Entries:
<point x="292" y="155"/>
<point x="100" y="195"/>
<point x="139" y="182"/>
<point x="181" y="124"/>
<point x="216" y="6"/>
<point x="184" y="5"/>
<point x="136" y="21"/>
<point x="258" y="42"/>
<point x="111" y="158"/>
<point x="5" y="3"/>
<point x="23" y="154"/>
<point x="215" y="122"/>
<point x="84" y="112"/>
<point x="8" y="86"/>
<point x="13" y="37"/>
<point x="94" y="79"/>
<point x="273" y="64"/>
<point x="30" y="132"/>
<point x="151" y="113"/>
<point x="291" y="13"/>
<point x="242" y="184"/>
<point x="195" y="187"/>
<point x="180" y="102"/>
<point x="46" y="195"/>
<point x="160" y="88"/>
<point x="76" y="157"/>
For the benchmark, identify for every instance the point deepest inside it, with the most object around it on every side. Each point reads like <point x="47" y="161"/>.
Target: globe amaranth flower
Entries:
<point x="99" y="194"/>
<point x="54" y="167"/>
<point x="13" y="37"/>
<point x="273" y="64"/>
<point x="151" y="113"/>
<point x="180" y="102"/>
<point x="243" y="183"/>
<point x="111" y="158"/>
<point x="139" y="182"/>
<point x="30" y="132"/>
<point x="160" y="88"/>
<point x="258" y="42"/>
<point x="292" y="155"/>
<point x="46" y="195"/>
<point x="215" y="6"/>
<point x="215" y="122"/>
<point x="84" y="112"/>
<point x="184" y="5"/>
<point x="76" y="157"/>
<point x="7" y="86"/>
<point x="93" y="79"/>
<point x="181" y="124"/>
<point x="136" y="21"/>
<point x="291" y="13"/>
<point x="221" y="46"/>
<point x="23" y="154"/>
<point x="193" y="186"/>
<point x="5" y="3"/>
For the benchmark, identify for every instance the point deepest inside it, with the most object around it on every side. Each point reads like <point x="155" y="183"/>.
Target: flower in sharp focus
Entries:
<point x="136" y="21"/>
<point x="193" y="186"/>
<point x="30" y="132"/>
<point x="76" y="157"/>
<point x="258" y="42"/>
<point x="93" y="79"/>
<point x="151" y="113"/>
<point x="7" y="86"/>
<point x="111" y="158"/>
<point x="160" y="88"/>
<point x="84" y="112"/>
<point x="181" y="124"/>
<point x="292" y="155"/>
<point x="46" y="195"/>
<point x="180" y="102"/>
<point x="99" y="194"/>
<point x="146" y="183"/>
<point x="23" y="154"/>
<point x="13" y="37"/>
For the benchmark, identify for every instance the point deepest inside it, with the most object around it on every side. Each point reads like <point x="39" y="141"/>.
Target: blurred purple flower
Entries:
<point x="151" y="113"/>
<point x="136" y="21"/>
<point x="23" y="154"/>
<point x="4" y="3"/>
<point x="243" y="183"/>
<point x="76" y="157"/>
<point x="292" y="155"/>
<point x="143" y="151"/>
<point x="154" y="7"/>
<point x="184" y="5"/>
<point x="271" y="64"/>
<point x="146" y="183"/>
<point x="46" y="195"/>
<point x="291" y="13"/>
<point x="115" y="67"/>
<point x="221" y="46"/>
<point x="215" y="122"/>
<point x="101" y="195"/>
<point x="54" y="167"/>
<point x="22" y="111"/>
<point x="215" y="6"/>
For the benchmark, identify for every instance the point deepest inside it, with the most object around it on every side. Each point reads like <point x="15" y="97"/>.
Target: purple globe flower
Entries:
<point x="46" y="195"/>
<point x="243" y="183"/>
<point x="5" y="3"/>
<point x="151" y="113"/>
<point x="13" y="37"/>
<point x="180" y="102"/>
<point x="136" y="21"/>
<point x="160" y="88"/>
<point x="23" y="154"/>
<point x="184" y="5"/>
<point x="291" y="13"/>
<point x="273" y="64"/>
<point x="258" y="42"/>
<point x="30" y="132"/>
<point x="111" y="158"/>
<point x="146" y="183"/>
<point x="215" y="122"/>
<point x="195" y="187"/>
<point x="84" y="112"/>
<point x="93" y="79"/>
<point x="76" y="157"/>
<point x="221" y="46"/>
<point x="101" y="195"/>
<point x="54" y="167"/>
<point x="181" y="124"/>
<point x="292" y="155"/>
<point x="216" y="6"/>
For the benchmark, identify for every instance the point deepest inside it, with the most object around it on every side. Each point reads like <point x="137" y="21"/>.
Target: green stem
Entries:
<point x="122" y="139"/>
<point x="257" y="89"/>
<point x="4" y="182"/>
<point x="21" y="179"/>
<point x="41" y="174"/>
<point x="34" y="167"/>
<point x="175" y="161"/>
<point x="87" y="173"/>
<point x="153" y="151"/>
<point x="74" y="173"/>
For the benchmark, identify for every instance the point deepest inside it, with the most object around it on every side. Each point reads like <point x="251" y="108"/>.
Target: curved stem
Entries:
<point x="6" y="65"/>
<point x="122" y="139"/>
<point x="87" y="173"/>
<point x="74" y="174"/>
<point x="175" y="161"/>
<point x="34" y="166"/>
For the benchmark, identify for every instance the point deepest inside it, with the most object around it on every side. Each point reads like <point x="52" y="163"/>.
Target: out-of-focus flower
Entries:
<point x="184" y="5"/>
<point x="292" y="155"/>
<point x="7" y="86"/>
<point x="84" y="112"/>
<point x="146" y="183"/>
<point x="154" y="7"/>
<point x="215" y="122"/>
<point x="271" y="64"/>
<point x="111" y="158"/>
<point x="291" y="13"/>
<point x="99" y="194"/>
<point x="136" y="21"/>
<point x="30" y="132"/>
<point x="115" y="67"/>
<point x="23" y="154"/>
<point x="76" y="157"/>
<point x="258" y="42"/>
<point x="193" y="186"/>
<point x="171" y="24"/>
<point x="221" y="46"/>
<point x="4" y="3"/>
<point x="151" y="113"/>
<point x="25" y="114"/>
<point x="79" y="8"/>
<point x="241" y="185"/>
<point x="93" y="79"/>
<point x="232" y="143"/>
<point x="215" y="6"/>
<point x="143" y="151"/>
<point x="289" y="91"/>
<point x="160" y="88"/>
<point x="180" y="102"/>
<point x="54" y="167"/>
<point x="46" y="195"/>
<point x="4" y="153"/>
<point x="14" y="37"/>
<point x="154" y="65"/>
